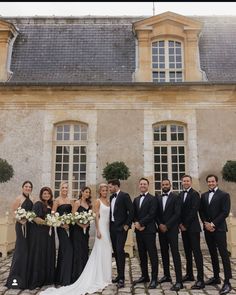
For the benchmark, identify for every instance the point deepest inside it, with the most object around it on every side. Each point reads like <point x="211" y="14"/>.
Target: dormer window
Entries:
<point x="167" y="49"/>
<point x="167" y="61"/>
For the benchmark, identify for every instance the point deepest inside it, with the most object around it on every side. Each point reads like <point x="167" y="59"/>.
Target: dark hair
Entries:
<point x="43" y="189"/>
<point x="88" y="201"/>
<point x="27" y="181"/>
<point x="166" y="179"/>
<point x="212" y="175"/>
<point x="114" y="182"/>
<point x="186" y="175"/>
<point x="143" y="178"/>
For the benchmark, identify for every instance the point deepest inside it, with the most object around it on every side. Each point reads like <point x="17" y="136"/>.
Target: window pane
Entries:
<point x="66" y="149"/>
<point x="59" y="136"/>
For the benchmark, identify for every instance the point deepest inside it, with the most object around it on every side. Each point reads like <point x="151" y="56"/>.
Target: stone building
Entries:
<point x="155" y="92"/>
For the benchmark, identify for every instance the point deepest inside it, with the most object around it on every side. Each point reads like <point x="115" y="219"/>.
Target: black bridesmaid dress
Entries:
<point x="42" y="252"/>
<point x="17" y="278"/>
<point x="65" y="251"/>
<point x="80" y="242"/>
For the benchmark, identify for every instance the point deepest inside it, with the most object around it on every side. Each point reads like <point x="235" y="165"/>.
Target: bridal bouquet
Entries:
<point x="67" y="219"/>
<point x="53" y="219"/>
<point x="84" y="217"/>
<point x="22" y="214"/>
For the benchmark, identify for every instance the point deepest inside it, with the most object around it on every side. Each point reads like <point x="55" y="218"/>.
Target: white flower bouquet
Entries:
<point x="84" y="217"/>
<point x="22" y="214"/>
<point x="53" y="219"/>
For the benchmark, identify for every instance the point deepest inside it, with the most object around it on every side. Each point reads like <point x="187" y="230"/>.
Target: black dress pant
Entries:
<point x="170" y="240"/>
<point x="217" y="240"/>
<point x="118" y="239"/>
<point x="147" y="245"/>
<point x="191" y="242"/>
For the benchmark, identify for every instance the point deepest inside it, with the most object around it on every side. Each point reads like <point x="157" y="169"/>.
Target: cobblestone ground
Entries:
<point x="132" y="272"/>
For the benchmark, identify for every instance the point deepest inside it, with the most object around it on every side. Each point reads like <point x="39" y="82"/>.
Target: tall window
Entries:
<point x="169" y="154"/>
<point x="167" y="63"/>
<point x="70" y="156"/>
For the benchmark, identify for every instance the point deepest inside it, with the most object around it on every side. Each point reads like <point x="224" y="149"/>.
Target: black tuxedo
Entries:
<point x="191" y="237"/>
<point x="171" y="218"/>
<point x="146" y="239"/>
<point x="123" y="215"/>
<point x="217" y="212"/>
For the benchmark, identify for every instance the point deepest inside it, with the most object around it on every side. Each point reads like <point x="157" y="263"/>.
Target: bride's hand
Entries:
<point x="99" y="235"/>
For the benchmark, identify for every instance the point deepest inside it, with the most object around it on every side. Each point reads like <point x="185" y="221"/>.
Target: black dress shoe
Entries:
<point x="213" y="281"/>
<point x="165" y="279"/>
<point x="198" y="285"/>
<point x="176" y="287"/>
<point x="120" y="284"/>
<point x="226" y="288"/>
<point x="153" y="284"/>
<point x="141" y="280"/>
<point x="188" y="278"/>
<point x="115" y="280"/>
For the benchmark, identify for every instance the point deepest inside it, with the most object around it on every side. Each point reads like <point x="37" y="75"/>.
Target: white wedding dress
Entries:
<point x="97" y="273"/>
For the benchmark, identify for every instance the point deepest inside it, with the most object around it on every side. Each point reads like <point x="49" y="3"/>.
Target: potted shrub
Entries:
<point x="116" y="170"/>
<point x="7" y="233"/>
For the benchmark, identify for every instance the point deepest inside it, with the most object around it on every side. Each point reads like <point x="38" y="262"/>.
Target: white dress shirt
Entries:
<point x="141" y="199"/>
<point x="164" y="200"/>
<point x="211" y="194"/>
<point x="113" y="201"/>
<point x="186" y="193"/>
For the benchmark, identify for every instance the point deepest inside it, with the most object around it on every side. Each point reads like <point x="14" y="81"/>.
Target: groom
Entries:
<point x="121" y="216"/>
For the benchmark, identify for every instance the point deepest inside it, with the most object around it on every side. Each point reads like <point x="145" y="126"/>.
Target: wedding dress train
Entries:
<point x="97" y="273"/>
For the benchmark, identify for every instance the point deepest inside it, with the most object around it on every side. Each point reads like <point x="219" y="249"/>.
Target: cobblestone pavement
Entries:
<point x="133" y="272"/>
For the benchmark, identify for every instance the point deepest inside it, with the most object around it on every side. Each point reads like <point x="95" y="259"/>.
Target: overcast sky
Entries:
<point x="114" y="8"/>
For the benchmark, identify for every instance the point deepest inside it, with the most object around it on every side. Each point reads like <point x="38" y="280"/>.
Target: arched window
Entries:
<point x="167" y="61"/>
<point x="70" y="143"/>
<point x="169" y="140"/>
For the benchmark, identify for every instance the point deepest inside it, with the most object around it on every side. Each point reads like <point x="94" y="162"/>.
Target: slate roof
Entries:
<point x="102" y="49"/>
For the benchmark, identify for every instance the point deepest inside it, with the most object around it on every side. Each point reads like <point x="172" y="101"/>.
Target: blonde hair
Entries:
<point x="62" y="183"/>
<point x="101" y="185"/>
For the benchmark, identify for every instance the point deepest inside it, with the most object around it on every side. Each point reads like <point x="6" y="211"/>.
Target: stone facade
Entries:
<point x="120" y="120"/>
<point x="97" y="71"/>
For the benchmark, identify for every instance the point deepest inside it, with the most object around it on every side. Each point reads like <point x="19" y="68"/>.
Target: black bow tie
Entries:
<point x="142" y="195"/>
<point x="185" y="191"/>
<point x="114" y="195"/>
<point x="163" y="195"/>
<point x="211" y="190"/>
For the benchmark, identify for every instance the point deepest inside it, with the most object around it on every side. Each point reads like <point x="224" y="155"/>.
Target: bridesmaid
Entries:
<point x="42" y="257"/>
<point x="63" y="204"/>
<point x="80" y="240"/>
<point x="17" y="278"/>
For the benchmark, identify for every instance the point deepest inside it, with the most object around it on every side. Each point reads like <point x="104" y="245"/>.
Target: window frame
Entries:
<point x="169" y="144"/>
<point x="167" y="70"/>
<point x="71" y="143"/>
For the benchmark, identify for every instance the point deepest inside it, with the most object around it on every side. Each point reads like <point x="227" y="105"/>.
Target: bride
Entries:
<point x="98" y="270"/>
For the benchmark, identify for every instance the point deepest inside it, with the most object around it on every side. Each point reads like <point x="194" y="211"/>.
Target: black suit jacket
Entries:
<point x="123" y="211"/>
<point x="146" y="214"/>
<point x="217" y="211"/>
<point x="171" y="215"/>
<point x="189" y="210"/>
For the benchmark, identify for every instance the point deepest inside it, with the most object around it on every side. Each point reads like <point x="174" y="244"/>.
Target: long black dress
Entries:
<point x="65" y="251"/>
<point x="17" y="278"/>
<point x="80" y="242"/>
<point x="42" y="252"/>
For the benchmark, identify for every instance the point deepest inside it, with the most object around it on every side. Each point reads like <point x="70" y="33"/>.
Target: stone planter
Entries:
<point x="231" y="235"/>
<point x="7" y="234"/>
<point x="129" y="245"/>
